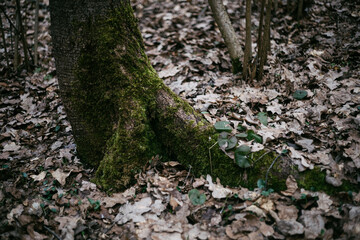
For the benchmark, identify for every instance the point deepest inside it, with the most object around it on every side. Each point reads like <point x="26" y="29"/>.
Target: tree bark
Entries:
<point x="120" y="110"/>
<point x="248" y="47"/>
<point x="265" y="41"/>
<point x="228" y="33"/>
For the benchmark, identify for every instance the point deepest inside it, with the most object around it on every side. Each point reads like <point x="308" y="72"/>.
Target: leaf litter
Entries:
<point x="46" y="193"/>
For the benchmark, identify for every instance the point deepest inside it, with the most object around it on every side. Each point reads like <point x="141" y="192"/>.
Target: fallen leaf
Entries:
<point x="39" y="177"/>
<point x="218" y="191"/>
<point x="67" y="226"/>
<point x="134" y="211"/>
<point x="60" y="176"/>
<point x="11" y="147"/>
<point x="313" y="223"/>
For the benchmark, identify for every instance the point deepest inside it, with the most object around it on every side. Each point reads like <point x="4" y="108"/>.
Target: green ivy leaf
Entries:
<point x="223" y="126"/>
<point x="232" y="143"/>
<point x="242" y="161"/>
<point x="241" y="135"/>
<point x="300" y="94"/>
<point x="223" y="135"/>
<point x="251" y="135"/>
<point x="196" y="197"/>
<point x="57" y="128"/>
<point x="53" y="210"/>
<point x="223" y="143"/>
<point x="261" y="184"/>
<point x="263" y="118"/>
<point x="241" y="128"/>
<point x="243" y="150"/>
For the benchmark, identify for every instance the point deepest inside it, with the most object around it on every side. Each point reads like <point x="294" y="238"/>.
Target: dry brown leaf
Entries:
<point x="291" y="185"/>
<point x="60" y="176"/>
<point x="39" y="177"/>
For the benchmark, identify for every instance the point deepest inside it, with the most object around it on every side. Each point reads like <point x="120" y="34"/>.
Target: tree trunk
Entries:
<point x="228" y="33"/>
<point x="121" y="112"/>
<point x="248" y="43"/>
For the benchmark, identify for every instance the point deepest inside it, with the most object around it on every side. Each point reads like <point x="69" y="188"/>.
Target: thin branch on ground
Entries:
<point x="267" y="172"/>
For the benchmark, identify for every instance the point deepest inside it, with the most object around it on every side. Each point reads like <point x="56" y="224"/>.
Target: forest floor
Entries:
<point x="46" y="193"/>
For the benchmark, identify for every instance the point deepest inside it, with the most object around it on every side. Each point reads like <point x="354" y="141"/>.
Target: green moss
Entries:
<point x="111" y="68"/>
<point x="314" y="180"/>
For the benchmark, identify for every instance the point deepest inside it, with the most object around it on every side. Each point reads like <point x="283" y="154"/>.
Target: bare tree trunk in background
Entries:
<point x="261" y="23"/>
<point x="300" y="9"/>
<point x="17" y="56"/>
<point x="36" y="31"/>
<point x="276" y="5"/>
<point x="228" y="33"/>
<point x="4" y="42"/>
<point x="265" y="41"/>
<point x="248" y="47"/>
<point x="22" y="32"/>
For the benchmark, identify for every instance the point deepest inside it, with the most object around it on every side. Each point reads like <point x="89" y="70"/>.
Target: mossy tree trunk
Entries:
<point x="120" y="110"/>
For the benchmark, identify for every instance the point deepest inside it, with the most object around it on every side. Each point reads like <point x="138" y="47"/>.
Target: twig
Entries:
<point x="187" y="175"/>
<point x="267" y="172"/>
<point x="52" y="232"/>
<point x="260" y="157"/>
<point x="108" y="229"/>
<point x="211" y="171"/>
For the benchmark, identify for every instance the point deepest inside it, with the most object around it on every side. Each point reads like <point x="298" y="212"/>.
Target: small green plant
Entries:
<point x="196" y="198"/>
<point x="95" y="204"/>
<point x="262" y="116"/>
<point x="227" y="142"/>
<point x="223" y="126"/>
<point x="47" y="77"/>
<point x="300" y="94"/>
<point x="267" y="192"/>
<point x="241" y="158"/>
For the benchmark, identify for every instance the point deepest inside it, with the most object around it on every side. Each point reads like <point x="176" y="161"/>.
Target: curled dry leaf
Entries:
<point x="11" y="147"/>
<point x="119" y="198"/>
<point x="67" y="226"/>
<point x="254" y="209"/>
<point x="133" y="211"/>
<point x="291" y="185"/>
<point x="290" y="227"/>
<point x="15" y="213"/>
<point x="60" y="176"/>
<point x="324" y="202"/>
<point x="218" y="191"/>
<point x="39" y="177"/>
<point x="287" y="212"/>
<point x="313" y="223"/>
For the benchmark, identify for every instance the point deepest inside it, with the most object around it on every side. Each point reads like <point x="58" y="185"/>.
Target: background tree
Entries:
<point x="228" y="33"/>
<point x="248" y="48"/>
